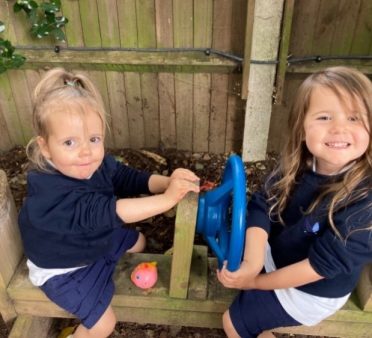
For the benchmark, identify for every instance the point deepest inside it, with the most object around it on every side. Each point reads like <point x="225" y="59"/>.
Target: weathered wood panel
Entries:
<point x="324" y="28"/>
<point x="149" y="106"/>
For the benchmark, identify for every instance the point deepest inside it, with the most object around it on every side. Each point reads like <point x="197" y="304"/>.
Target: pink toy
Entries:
<point x="145" y="275"/>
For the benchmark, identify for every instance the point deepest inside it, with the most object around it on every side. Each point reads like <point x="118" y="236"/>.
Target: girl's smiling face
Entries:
<point x="75" y="142"/>
<point x="336" y="131"/>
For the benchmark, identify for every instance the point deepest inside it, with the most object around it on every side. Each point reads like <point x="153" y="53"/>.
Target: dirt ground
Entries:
<point x="158" y="230"/>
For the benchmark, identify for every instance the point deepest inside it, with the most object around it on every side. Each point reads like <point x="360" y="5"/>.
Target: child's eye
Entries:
<point x="69" y="143"/>
<point x="323" y="118"/>
<point x="354" y="118"/>
<point x="95" y="139"/>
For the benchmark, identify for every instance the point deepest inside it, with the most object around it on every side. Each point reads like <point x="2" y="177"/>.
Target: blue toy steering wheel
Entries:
<point x="225" y="235"/>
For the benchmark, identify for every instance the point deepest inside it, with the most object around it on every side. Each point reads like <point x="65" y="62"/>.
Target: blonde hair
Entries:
<point x="356" y="183"/>
<point x="59" y="89"/>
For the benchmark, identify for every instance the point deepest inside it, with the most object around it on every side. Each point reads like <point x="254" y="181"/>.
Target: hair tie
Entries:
<point x="70" y="83"/>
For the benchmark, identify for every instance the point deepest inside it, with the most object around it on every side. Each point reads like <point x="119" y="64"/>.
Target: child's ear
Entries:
<point x="43" y="145"/>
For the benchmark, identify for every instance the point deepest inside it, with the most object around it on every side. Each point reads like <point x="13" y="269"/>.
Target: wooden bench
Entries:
<point x="187" y="292"/>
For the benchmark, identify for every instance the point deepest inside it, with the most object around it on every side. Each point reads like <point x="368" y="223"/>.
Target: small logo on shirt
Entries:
<point x="311" y="228"/>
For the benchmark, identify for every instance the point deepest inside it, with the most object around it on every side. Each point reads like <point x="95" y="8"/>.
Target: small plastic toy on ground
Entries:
<point x="145" y="275"/>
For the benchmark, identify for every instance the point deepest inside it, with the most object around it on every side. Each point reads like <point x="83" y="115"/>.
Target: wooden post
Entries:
<point x="265" y="45"/>
<point x="364" y="288"/>
<point x="10" y="246"/>
<point x="247" y="48"/>
<point x="184" y="234"/>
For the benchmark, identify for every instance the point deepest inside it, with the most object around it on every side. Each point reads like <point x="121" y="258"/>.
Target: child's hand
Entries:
<point x="243" y="278"/>
<point x="184" y="174"/>
<point x="179" y="187"/>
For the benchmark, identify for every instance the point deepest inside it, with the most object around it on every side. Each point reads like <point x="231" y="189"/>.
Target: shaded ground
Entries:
<point x="158" y="230"/>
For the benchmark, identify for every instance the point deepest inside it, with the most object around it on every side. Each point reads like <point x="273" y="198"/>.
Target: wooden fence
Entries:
<point x="188" y="99"/>
<point x="339" y="31"/>
<point x="161" y="86"/>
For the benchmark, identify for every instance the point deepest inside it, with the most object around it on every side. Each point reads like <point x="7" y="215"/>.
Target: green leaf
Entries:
<point x="17" y="8"/>
<point x="58" y="34"/>
<point x="18" y="60"/>
<point x="49" y="7"/>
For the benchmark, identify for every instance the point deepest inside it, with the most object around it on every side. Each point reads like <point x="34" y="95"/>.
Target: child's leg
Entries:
<point x="140" y="245"/>
<point x="103" y="328"/>
<point x="266" y="334"/>
<point x="228" y="326"/>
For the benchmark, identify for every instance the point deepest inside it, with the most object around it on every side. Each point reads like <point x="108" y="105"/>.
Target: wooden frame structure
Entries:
<point x="187" y="292"/>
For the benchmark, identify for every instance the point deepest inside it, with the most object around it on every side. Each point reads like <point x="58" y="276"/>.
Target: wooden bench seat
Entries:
<point x="187" y="292"/>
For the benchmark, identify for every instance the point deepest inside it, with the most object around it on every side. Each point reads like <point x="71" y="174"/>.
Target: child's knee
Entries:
<point x="228" y="325"/>
<point x="140" y="244"/>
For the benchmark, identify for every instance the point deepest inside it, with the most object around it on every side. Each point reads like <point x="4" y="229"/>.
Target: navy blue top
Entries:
<point x="67" y="222"/>
<point x="310" y="236"/>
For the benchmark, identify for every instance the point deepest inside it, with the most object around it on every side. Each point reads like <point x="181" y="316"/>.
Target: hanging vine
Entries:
<point x="44" y="22"/>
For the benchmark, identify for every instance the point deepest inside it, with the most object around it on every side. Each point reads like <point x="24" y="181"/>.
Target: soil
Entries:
<point x="158" y="230"/>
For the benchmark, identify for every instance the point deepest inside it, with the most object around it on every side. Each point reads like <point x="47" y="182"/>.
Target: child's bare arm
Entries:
<point x="136" y="209"/>
<point x="159" y="183"/>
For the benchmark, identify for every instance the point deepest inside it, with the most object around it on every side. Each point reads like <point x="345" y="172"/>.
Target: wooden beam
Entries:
<point x="265" y="47"/>
<point x="27" y="326"/>
<point x="365" y="66"/>
<point x="283" y="50"/>
<point x="131" y="61"/>
<point x="184" y="234"/>
<point x="247" y="48"/>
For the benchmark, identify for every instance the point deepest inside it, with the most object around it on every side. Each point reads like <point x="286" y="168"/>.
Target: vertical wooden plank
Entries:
<point x="235" y="115"/>
<point x="362" y="34"/>
<point x="183" y="37"/>
<point x="5" y="10"/>
<point x="150" y="107"/>
<point x="5" y="140"/>
<point x="32" y="78"/>
<point x="129" y="38"/>
<point x="325" y="27"/>
<point x="202" y="109"/>
<point x="118" y="107"/>
<point x="90" y="23"/>
<point x="247" y="48"/>
<point x="73" y="29"/>
<point x="29" y="326"/>
<point x="149" y="81"/>
<point x="164" y="37"/>
<point x="164" y="23"/>
<point x="283" y="49"/>
<point x="203" y="25"/>
<point x="238" y="24"/>
<point x="135" y="113"/>
<point x="127" y="23"/>
<point x="10" y="135"/>
<point x="279" y="116"/>
<point x="345" y="24"/>
<point x="184" y="234"/>
<point x="217" y="122"/>
<point x="9" y="108"/>
<point x="303" y="27"/>
<point x="222" y="20"/>
<point x="146" y="23"/>
<point x="109" y="35"/>
<point x="22" y="99"/>
<point x="10" y="246"/>
<point x="108" y="23"/>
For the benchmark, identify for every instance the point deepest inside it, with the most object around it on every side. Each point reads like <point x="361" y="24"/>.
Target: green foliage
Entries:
<point x="8" y="59"/>
<point x="44" y="21"/>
